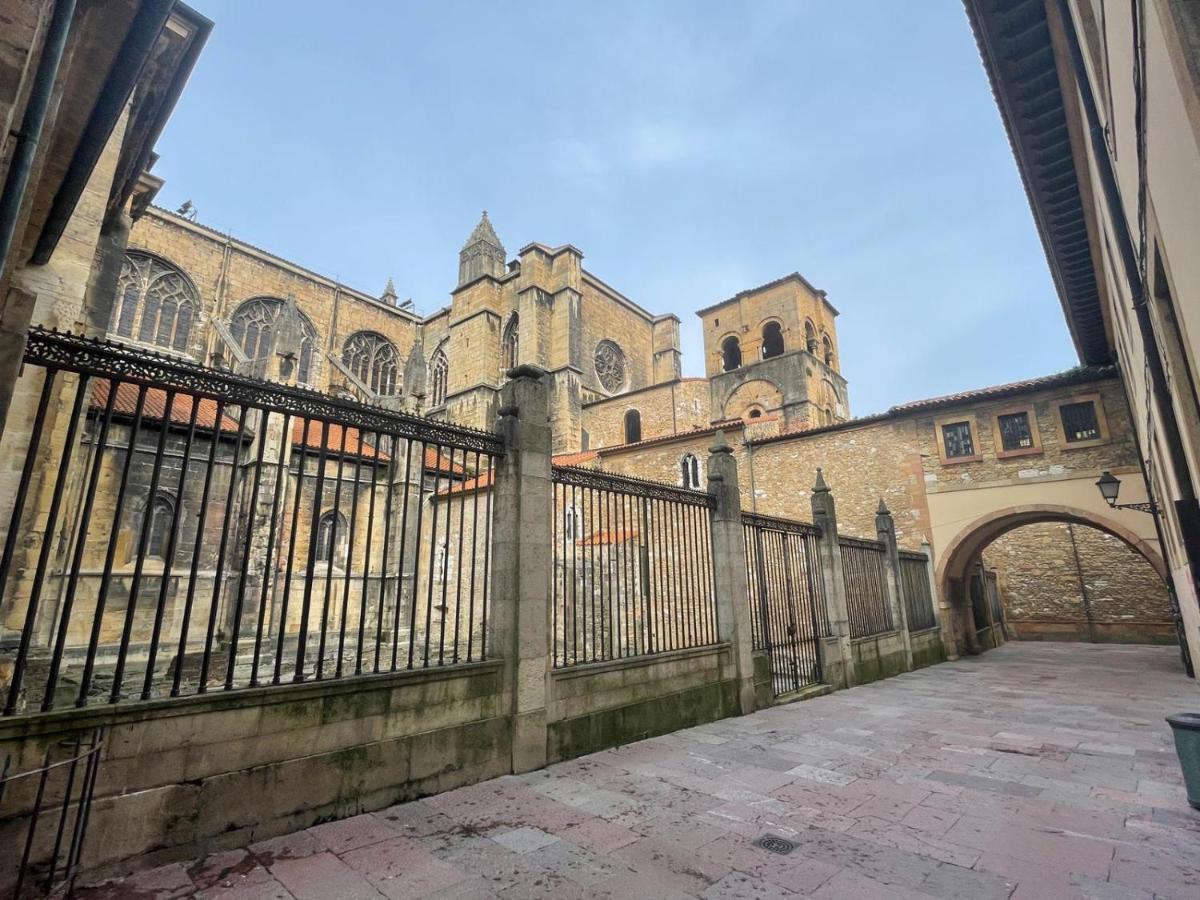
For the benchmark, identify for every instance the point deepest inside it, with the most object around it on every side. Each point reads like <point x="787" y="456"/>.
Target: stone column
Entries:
<point x="939" y="616"/>
<point x="830" y="553"/>
<point x="885" y="531"/>
<point x="523" y="560"/>
<point x="729" y="566"/>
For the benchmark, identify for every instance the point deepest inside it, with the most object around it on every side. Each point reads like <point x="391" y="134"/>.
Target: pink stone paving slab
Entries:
<point x="1033" y="772"/>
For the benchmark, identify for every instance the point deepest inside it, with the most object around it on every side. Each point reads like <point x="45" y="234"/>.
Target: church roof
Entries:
<point x="485" y="233"/>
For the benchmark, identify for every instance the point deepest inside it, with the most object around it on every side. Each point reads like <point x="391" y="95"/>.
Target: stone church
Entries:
<point x="771" y="352"/>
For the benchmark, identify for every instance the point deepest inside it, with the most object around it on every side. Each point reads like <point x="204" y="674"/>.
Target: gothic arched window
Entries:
<point x="731" y="354"/>
<point x="633" y="426"/>
<point x="439" y="375"/>
<point x="689" y="467"/>
<point x="156" y="303"/>
<point x="373" y="360"/>
<point x="162" y="515"/>
<point x="252" y="324"/>
<point x="331" y="536"/>
<point x="511" y="344"/>
<point x="772" y="340"/>
<point x="827" y="350"/>
<point x="810" y="337"/>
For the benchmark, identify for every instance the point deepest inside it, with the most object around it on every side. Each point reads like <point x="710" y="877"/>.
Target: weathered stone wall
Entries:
<point x="602" y="705"/>
<point x="1044" y="570"/>
<point x="670" y="408"/>
<point x="861" y="465"/>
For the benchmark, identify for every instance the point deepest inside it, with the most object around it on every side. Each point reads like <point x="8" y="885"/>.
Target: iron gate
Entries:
<point x="787" y="598"/>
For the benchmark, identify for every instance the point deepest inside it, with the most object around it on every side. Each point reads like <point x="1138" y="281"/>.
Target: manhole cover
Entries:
<point x="775" y="844"/>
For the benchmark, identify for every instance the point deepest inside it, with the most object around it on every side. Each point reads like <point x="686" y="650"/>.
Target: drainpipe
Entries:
<point x="1187" y="507"/>
<point x="29" y="137"/>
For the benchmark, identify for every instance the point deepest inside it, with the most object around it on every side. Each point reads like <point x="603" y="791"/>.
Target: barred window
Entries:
<point x="156" y="303"/>
<point x="1079" y="421"/>
<point x="373" y="360"/>
<point x="957" y="439"/>
<point x="439" y="375"/>
<point x="251" y="327"/>
<point x="1015" y="433"/>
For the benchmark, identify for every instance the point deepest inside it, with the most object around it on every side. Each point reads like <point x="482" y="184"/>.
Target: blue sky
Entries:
<point x="690" y="149"/>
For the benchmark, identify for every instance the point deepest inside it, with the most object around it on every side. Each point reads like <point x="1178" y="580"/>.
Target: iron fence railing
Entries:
<point x="45" y="812"/>
<point x="178" y="529"/>
<point x="914" y="582"/>
<point x="633" y="567"/>
<point x="865" y="581"/>
<point x="786" y="595"/>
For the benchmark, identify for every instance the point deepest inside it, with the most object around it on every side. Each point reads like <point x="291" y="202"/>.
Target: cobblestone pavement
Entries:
<point x="1034" y="771"/>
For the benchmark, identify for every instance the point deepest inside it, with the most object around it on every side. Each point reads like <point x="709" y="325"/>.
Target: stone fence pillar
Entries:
<point x="729" y="566"/>
<point x="825" y="518"/>
<point x="885" y="531"/>
<point x="522" y="566"/>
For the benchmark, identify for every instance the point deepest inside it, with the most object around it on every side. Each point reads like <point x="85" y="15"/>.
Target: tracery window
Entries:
<point x="331" y="530"/>
<point x="511" y="343"/>
<point x="251" y="327"/>
<point x="772" y="340"/>
<point x="731" y="354"/>
<point x="439" y="375"/>
<point x="690" y="471"/>
<point x="156" y="303"/>
<point x="373" y="360"/>
<point x="609" y="360"/>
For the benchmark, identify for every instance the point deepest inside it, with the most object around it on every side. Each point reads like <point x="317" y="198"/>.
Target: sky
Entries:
<point x="690" y="149"/>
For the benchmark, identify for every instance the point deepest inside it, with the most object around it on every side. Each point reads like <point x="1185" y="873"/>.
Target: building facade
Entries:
<point x="1101" y="100"/>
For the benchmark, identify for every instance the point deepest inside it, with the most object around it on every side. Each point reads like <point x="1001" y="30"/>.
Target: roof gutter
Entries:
<point x="122" y="78"/>
<point x="28" y="138"/>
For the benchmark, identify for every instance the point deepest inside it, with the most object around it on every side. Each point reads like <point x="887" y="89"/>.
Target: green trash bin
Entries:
<point x="1186" y="727"/>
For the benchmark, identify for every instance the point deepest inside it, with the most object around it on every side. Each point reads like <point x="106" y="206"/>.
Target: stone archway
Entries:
<point x="965" y="549"/>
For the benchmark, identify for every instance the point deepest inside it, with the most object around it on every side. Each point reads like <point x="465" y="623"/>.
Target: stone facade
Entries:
<point x="1058" y="578"/>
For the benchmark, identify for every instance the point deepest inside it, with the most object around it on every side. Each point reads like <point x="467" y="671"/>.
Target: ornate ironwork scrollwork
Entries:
<point x="627" y="484"/>
<point x="774" y="523"/>
<point x="69" y="352"/>
<point x="861" y="543"/>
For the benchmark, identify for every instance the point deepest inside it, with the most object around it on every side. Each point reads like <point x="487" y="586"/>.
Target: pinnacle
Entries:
<point x="484" y="233"/>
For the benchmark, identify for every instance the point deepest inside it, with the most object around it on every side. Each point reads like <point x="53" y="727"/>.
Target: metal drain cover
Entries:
<point x="775" y="844"/>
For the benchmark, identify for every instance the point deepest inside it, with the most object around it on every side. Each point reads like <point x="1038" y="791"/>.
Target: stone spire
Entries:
<point x="389" y="293"/>
<point x="482" y="254"/>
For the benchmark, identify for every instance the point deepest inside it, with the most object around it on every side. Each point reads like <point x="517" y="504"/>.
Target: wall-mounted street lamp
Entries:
<point x="1110" y="486"/>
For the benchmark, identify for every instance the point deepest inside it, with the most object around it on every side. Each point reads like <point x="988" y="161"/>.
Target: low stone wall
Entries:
<point x="927" y="647"/>
<point x="601" y="705"/>
<point x="1100" y="632"/>
<point x="185" y="777"/>
<point x="878" y="656"/>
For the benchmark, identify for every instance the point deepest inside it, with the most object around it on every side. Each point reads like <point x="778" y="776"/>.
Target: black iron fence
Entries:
<point x="914" y="582"/>
<point x="633" y="567"/>
<point x="865" y="580"/>
<point x="44" y="816"/>
<point x="177" y="529"/>
<point x="786" y="593"/>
